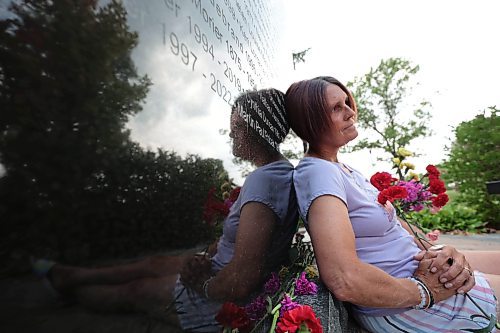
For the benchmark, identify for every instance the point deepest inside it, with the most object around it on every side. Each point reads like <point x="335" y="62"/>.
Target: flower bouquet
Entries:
<point x="216" y="207"/>
<point x="276" y="303"/>
<point x="412" y="193"/>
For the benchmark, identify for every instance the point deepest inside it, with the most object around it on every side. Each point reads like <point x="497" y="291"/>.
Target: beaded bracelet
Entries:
<point x="431" y="298"/>
<point x="423" y="294"/>
<point x="205" y="286"/>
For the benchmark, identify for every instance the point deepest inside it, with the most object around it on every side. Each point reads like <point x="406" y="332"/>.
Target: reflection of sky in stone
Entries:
<point x="181" y="112"/>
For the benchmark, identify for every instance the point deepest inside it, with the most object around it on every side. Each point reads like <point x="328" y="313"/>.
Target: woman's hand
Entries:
<point x="451" y="267"/>
<point x="431" y="280"/>
<point x="196" y="270"/>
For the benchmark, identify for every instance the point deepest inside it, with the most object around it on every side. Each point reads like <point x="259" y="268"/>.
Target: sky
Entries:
<point x="455" y="43"/>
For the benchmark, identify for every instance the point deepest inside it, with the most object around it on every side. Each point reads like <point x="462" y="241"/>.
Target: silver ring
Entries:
<point x="470" y="272"/>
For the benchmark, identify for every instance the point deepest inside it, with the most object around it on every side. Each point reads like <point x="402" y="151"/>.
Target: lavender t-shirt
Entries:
<point x="271" y="185"/>
<point x="380" y="238"/>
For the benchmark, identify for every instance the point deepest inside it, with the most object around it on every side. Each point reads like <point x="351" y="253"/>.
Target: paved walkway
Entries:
<point x="26" y="306"/>
<point x="481" y="242"/>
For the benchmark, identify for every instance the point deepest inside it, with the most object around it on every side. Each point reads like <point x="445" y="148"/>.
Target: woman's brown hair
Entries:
<point x="307" y="109"/>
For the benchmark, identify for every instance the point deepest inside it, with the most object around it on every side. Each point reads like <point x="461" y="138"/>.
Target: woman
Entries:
<point x="256" y="236"/>
<point x="365" y="255"/>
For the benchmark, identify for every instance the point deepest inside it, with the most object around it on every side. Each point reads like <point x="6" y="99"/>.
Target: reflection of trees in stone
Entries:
<point x="68" y="86"/>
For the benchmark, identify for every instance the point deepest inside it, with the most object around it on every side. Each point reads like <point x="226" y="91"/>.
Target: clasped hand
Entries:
<point x="446" y="272"/>
<point x="195" y="271"/>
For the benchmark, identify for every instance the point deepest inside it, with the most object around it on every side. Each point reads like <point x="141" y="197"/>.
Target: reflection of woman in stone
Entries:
<point x="256" y="236"/>
<point x="364" y="254"/>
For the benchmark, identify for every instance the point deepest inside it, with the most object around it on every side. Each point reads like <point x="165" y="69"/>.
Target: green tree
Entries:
<point x="473" y="161"/>
<point x="380" y="98"/>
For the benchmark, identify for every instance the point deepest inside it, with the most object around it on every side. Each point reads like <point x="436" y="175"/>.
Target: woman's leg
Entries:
<point x="494" y="281"/>
<point x="66" y="278"/>
<point x="484" y="261"/>
<point x="487" y="262"/>
<point x="149" y="295"/>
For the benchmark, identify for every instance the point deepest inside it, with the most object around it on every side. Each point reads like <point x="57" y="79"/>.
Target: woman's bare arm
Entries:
<point x="245" y="271"/>
<point x="344" y="274"/>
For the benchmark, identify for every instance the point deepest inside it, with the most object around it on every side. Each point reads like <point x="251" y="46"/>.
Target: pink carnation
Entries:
<point x="433" y="235"/>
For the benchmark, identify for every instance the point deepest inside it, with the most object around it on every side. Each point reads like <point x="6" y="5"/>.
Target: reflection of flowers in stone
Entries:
<point x="215" y="208"/>
<point x="231" y="316"/>
<point x="304" y="286"/>
<point x="299" y="319"/>
<point x="279" y="294"/>
<point x="233" y="196"/>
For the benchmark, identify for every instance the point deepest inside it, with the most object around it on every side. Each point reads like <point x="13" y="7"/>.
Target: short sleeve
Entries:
<point x="314" y="178"/>
<point x="270" y="185"/>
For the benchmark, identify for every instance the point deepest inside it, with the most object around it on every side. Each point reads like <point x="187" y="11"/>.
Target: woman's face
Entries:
<point x="239" y="135"/>
<point x="342" y="117"/>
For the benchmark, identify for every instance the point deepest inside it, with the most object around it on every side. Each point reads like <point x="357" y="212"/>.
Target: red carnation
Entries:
<point x="432" y="170"/>
<point x="382" y="180"/>
<point x="233" y="316"/>
<point x="392" y="193"/>
<point x="440" y="200"/>
<point x="436" y="186"/>
<point x="293" y="319"/>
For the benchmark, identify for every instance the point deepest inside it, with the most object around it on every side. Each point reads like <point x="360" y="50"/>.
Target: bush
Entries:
<point x="451" y="217"/>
